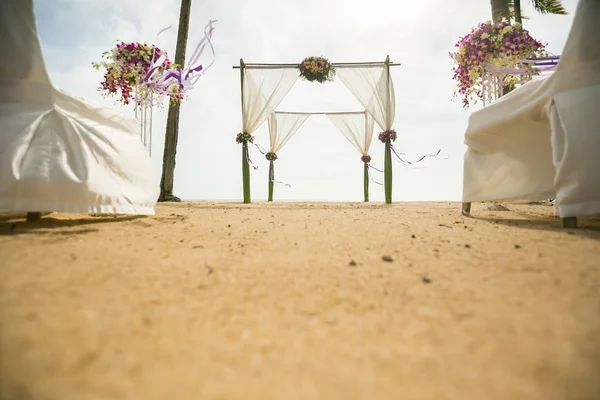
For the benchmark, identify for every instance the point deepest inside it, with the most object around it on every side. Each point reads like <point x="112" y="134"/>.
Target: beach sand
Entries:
<point x="300" y="301"/>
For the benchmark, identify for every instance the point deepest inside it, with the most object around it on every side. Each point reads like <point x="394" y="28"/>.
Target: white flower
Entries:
<point x="488" y="22"/>
<point x="485" y="35"/>
<point x="461" y="49"/>
<point x="506" y="29"/>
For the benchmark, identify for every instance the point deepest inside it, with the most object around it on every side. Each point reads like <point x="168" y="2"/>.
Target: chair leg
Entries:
<point x="33" y="216"/>
<point x="466" y="209"/>
<point x="569" y="222"/>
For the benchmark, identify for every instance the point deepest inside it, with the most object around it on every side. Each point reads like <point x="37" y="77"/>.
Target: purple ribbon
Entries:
<point x="376" y="169"/>
<point x="260" y="149"/>
<point x="371" y="177"/>
<point x="254" y="167"/>
<point x="281" y="183"/>
<point x="405" y="162"/>
<point x="185" y="78"/>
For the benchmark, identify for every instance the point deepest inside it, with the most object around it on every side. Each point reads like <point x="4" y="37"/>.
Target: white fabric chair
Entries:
<point x="541" y="141"/>
<point x="59" y="152"/>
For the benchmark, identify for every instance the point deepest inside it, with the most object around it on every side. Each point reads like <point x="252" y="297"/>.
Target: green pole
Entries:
<point x="245" y="165"/>
<point x="246" y="172"/>
<point x="387" y="172"/>
<point x="366" y="183"/>
<point x="387" y="166"/>
<point x="271" y="178"/>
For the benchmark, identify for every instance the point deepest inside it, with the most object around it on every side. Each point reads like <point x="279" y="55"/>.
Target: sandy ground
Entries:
<point x="296" y="301"/>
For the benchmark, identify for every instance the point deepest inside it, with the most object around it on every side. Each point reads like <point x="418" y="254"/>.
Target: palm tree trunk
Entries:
<point x="500" y="9"/>
<point x="518" y="17"/>
<point x="172" y="131"/>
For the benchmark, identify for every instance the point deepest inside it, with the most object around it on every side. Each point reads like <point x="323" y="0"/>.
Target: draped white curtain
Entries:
<point x="373" y="88"/>
<point x="357" y="127"/>
<point x="282" y="127"/>
<point x="263" y="91"/>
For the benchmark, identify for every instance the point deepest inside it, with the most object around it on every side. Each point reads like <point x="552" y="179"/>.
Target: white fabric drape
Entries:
<point x="282" y="126"/>
<point x="541" y="140"/>
<point x="373" y="88"/>
<point x="263" y="91"/>
<point x="356" y="127"/>
<point x="59" y="152"/>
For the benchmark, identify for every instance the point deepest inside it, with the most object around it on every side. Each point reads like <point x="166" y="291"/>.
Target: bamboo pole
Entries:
<point x="341" y="65"/>
<point x="366" y="183"/>
<point x="271" y="179"/>
<point x="245" y="165"/>
<point x="387" y="166"/>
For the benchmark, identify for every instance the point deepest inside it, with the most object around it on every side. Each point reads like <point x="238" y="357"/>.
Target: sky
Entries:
<point x="318" y="162"/>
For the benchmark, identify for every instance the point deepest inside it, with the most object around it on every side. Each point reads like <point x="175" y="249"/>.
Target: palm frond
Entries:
<point x="549" y="7"/>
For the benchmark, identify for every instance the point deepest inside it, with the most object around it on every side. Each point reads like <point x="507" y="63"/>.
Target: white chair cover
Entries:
<point x="542" y="139"/>
<point x="58" y="152"/>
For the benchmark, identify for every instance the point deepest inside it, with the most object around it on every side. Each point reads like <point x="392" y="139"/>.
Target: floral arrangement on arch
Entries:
<point x="244" y="138"/>
<point x="316" y="69"/>
<point x="498" y="43"/>
<point x="128" y="64"/>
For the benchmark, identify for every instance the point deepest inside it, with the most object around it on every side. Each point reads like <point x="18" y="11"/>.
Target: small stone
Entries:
<point x="229" y="226"/>
<point x="352" y="263"/>
<point x="517" y="246"/>
<point x="387" y="258"/>
<point x="468" y="246"/>
<point x="426" y="280"/>
<point x="413" y="236"/>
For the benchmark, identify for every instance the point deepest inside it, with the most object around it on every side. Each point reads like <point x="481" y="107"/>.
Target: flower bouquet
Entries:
<point x="127" y="65"/>
<point x="501" y="44"/>
<point x="316" y="69"/>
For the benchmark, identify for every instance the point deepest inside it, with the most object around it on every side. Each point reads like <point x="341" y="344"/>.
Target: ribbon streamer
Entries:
<point x="281" y="183"/>
<point x="254" y="167"/>
<point x="376" y="169"/>
<point x="408" y="163"/>
<point x="163" y="82"/>
<point x="371" y="177"/>
<point x="260" y="149"/>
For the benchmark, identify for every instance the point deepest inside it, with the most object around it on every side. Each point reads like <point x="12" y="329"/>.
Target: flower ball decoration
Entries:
<point x="316" y="69"/>
<point x="271" y="156"/>
<point x="245" y="137"/>
<point x="501" y="44"/>
<point x="391" y="135"/>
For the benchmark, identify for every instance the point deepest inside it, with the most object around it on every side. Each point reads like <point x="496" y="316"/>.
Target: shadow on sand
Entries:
<point x="588" y="227"/>
<point x="15" y="224"/>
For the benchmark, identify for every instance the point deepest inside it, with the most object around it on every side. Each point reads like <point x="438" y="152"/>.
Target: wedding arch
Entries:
<point x="263" y="87"/>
